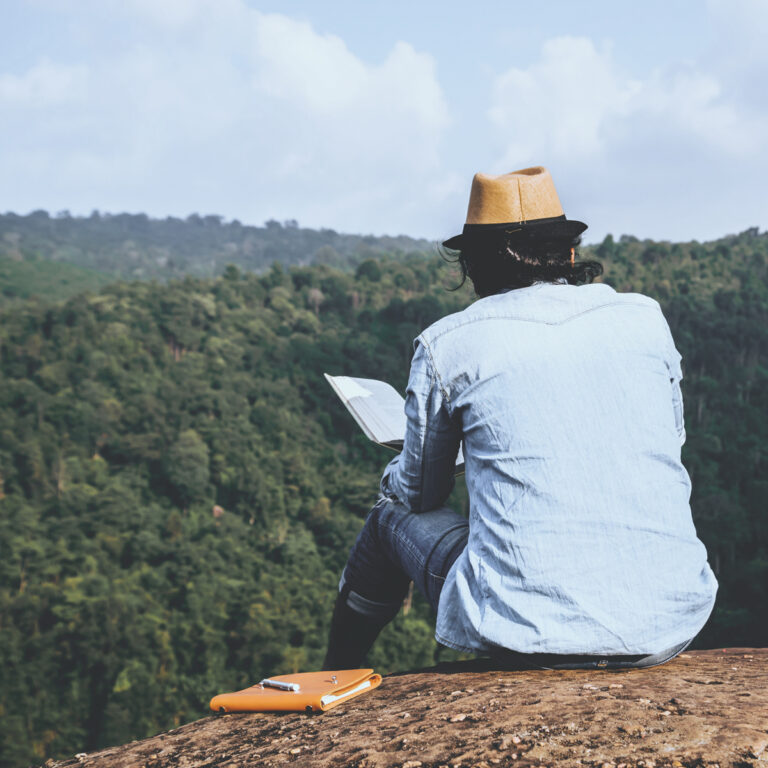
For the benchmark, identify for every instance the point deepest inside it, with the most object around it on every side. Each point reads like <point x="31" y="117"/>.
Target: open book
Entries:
<point x="378" y="409"/>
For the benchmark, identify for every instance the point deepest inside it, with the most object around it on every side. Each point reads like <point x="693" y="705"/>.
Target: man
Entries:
<point x="580" y="549"/>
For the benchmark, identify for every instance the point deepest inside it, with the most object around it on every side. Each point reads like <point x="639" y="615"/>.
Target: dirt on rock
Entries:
<point x="704" y="708"/>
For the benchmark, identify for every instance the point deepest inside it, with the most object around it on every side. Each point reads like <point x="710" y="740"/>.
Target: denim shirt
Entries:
<point x="567" y="400"/>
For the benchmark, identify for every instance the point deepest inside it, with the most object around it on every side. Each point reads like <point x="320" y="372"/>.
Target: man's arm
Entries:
<point x="421" y="477"/>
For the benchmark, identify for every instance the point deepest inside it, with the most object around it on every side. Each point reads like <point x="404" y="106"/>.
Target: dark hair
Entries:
<point x="497" y="260"/>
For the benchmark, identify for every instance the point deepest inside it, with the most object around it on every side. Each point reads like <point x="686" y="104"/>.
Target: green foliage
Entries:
<point x="187" y="468"/>
<point x="137" y="247"/>
<point x="180" y="487"/>
<point x="32" y="279"/>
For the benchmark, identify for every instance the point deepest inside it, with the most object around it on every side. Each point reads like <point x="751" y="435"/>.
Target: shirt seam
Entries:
<point x="423" y="440"/>
<point x="541" y="322"/>
<point x="436" y="373"/>
<point x="457" y="646"/>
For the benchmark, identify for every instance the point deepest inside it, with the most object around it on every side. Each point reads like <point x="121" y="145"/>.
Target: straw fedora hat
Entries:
<point x="522" y="203"/>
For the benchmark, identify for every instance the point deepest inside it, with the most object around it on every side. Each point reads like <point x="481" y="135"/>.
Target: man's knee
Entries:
<point x="379" y="611"/>
<point x="384" y="513"/>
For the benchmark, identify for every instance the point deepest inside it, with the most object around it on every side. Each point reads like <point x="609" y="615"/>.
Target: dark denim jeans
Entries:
<point x="396" y="547"/>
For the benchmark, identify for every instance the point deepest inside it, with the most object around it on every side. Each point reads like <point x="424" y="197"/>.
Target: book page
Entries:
<point x="378" y="408"/>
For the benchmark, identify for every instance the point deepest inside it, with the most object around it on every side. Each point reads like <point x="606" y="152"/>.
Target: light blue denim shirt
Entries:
<point x="567" y="399"/>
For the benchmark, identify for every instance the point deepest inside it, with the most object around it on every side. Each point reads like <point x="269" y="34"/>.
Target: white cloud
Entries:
<point x="661" y="150"/>
<point x="297" y="64"/>
<point x="574" y="102"/>
<point x="739" y="53"/>
<point x="169" y="13"/>
<point x="44" y="85"/>
<point x="212" y="106"/>
<point x="561" y="102"/>
<point x="216" y="107"/>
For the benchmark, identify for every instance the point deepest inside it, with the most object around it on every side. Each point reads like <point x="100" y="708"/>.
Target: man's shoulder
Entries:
<point x="447" y="323"/>
<point x="638" y="298"/>
<point x="490" y="306"/>
<point x="547" y="303"/>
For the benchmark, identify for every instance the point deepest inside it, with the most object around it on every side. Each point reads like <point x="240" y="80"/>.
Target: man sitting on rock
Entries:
<point x="580" y="549"/>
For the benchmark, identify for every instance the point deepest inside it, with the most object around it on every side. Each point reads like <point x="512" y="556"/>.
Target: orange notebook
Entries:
<point x="301" y="692"/>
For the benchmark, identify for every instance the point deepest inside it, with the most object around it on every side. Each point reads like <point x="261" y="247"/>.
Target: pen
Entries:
<point x="279" y="684"/>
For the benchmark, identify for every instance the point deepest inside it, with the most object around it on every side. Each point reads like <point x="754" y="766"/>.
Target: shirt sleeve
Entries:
<point x="421" y="477"/>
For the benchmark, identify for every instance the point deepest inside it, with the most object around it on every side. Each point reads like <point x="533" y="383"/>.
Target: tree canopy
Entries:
<point x="179" y="487"/>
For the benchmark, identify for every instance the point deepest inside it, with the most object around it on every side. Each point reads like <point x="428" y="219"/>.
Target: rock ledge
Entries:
<point x="704" y="708"/>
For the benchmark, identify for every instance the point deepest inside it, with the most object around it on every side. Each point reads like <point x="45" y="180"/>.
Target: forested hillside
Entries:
<point x="136" y="246"/>
<point x="48" y="281"/>
<point x="180" y="486"/>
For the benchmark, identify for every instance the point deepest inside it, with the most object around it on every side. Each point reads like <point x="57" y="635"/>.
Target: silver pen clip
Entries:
<point x="279" y="684"/>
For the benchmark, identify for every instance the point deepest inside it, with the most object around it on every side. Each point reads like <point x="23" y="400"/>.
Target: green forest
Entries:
<point x="137" y="247"/>
<point x="179" y="487"/>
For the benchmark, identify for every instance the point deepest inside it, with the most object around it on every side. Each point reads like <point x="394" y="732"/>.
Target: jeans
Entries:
<point x="397" y="546"/>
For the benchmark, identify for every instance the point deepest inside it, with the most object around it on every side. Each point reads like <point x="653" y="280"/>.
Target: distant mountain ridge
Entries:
<point x="51" y="258"/>
<point x="135" y="246"/>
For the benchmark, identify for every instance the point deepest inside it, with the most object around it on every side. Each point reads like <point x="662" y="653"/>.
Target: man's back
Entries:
<point x="581" y="538"/>
<point x="580" y="542"/>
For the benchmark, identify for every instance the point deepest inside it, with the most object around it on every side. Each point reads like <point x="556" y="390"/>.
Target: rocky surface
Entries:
<point x="704" y="708"/>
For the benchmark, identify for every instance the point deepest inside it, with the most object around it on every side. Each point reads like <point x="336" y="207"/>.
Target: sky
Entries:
<point x="372" y="117"/>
